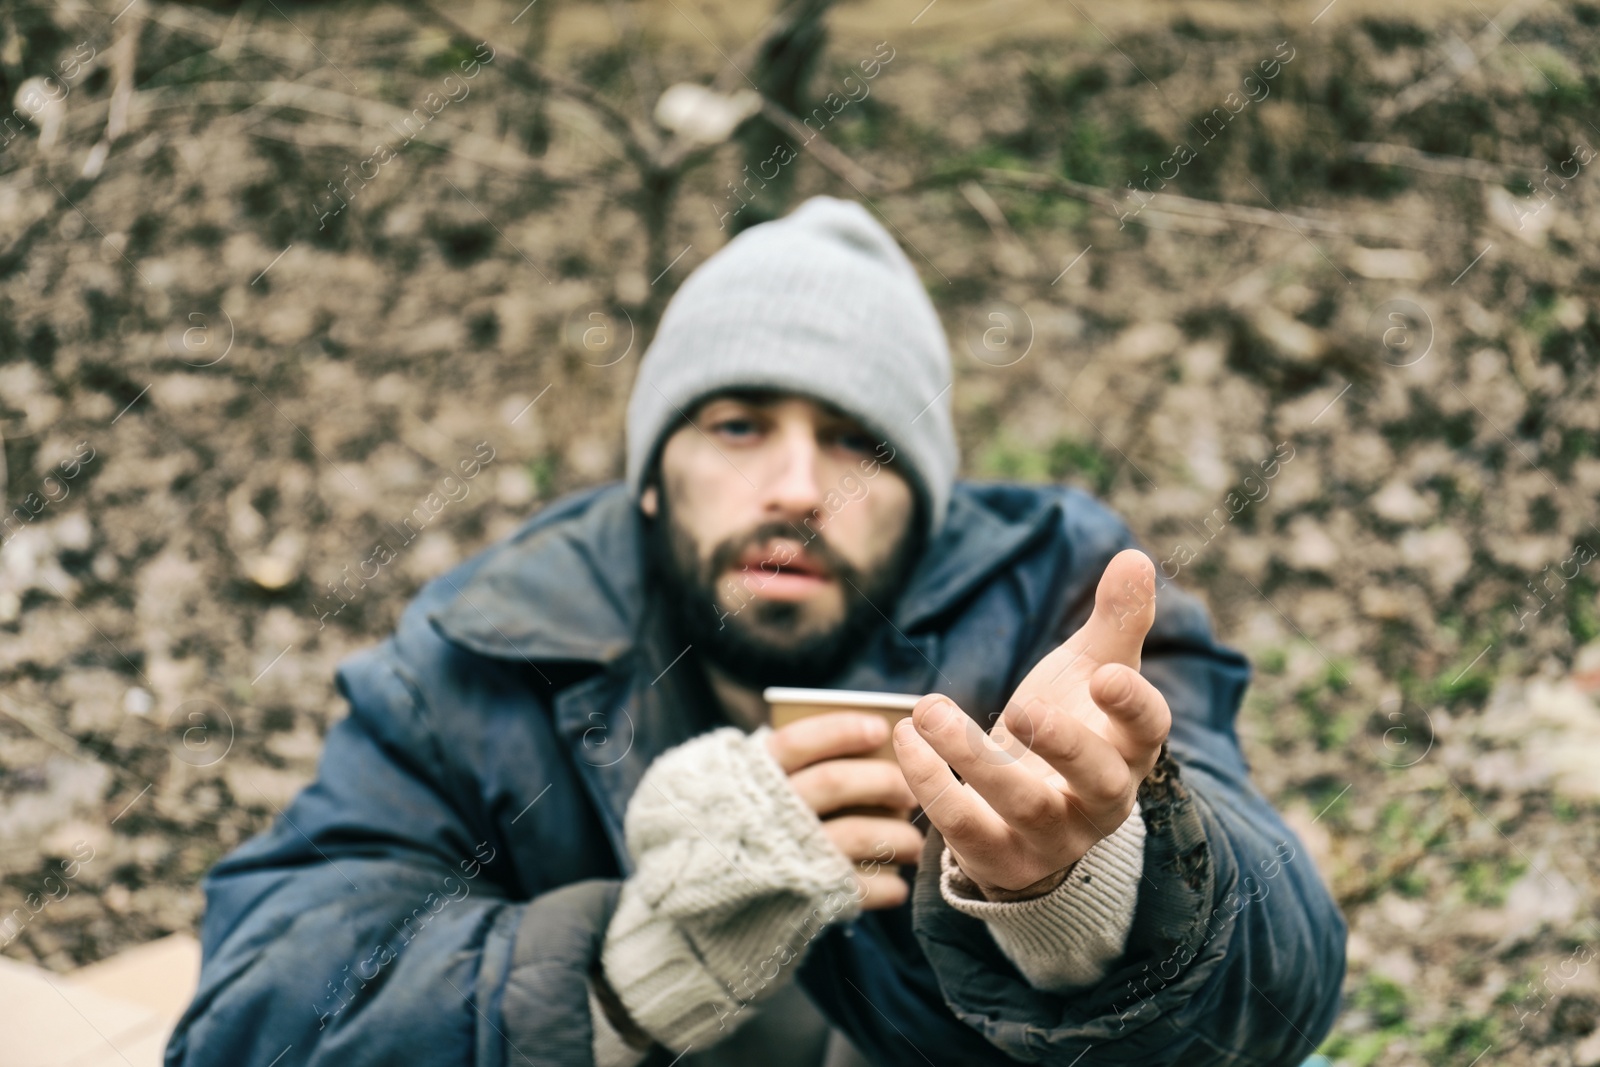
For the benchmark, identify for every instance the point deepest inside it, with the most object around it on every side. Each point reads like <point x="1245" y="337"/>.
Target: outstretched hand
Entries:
<point x="1061" y="768"/>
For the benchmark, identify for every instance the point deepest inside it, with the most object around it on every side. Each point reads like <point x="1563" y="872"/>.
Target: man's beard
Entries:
<point x="764" y="642"/>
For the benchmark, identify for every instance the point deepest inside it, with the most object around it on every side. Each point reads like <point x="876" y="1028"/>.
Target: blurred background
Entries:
<point x="1308" y="291"/>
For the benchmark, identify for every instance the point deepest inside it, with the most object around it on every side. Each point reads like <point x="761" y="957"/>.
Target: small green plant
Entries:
<point x="1066" y="459"/>
<point x="1485" y="881"/>
<point x="1009" y="460"/>
<point x="1387" y="1002"/>
<point x="448" y="60"/>
<point x="1468" y="681"/>
<point x="1083" y="153"/>
<point x="1384" y="1006"/>
<point x="1069" y="457"/>
<point x="543" y="472"/>
<point x="1459" y="1039"/>
<point x="1332" y="726"/>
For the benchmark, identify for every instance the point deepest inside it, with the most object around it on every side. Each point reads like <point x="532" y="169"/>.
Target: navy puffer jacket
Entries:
<point x="438" y="894"/>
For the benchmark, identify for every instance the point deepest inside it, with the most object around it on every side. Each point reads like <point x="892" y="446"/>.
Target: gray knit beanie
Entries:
<point x="821" y="303"/>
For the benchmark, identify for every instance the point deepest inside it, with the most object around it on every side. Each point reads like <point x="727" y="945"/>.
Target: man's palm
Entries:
<point x="1061" y="768"/>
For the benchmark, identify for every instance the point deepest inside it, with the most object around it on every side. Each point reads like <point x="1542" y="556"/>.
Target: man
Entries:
<point x="556" y="827"/>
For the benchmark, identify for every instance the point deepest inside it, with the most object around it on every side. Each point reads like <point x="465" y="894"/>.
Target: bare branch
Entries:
<point x="641" y="61"/>
<point x="780" y="25"/>
<point x="1462" y="60"/>
<point x="1398" y="155"/>
<point x="495" y="155"/>
<point x="639" y="138"/>
<point x="1014" y="256"/>
<point x="829" y="156"/>
<point x="1169" y="206"/>
<point x="124" y="59"/>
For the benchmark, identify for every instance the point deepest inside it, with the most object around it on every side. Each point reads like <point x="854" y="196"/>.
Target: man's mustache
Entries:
<point x="727" y="555"/>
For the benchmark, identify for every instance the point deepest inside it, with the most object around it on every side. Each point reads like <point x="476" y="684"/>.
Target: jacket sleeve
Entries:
<point x="378" y="921"/>
<point x="1236" y="954"/>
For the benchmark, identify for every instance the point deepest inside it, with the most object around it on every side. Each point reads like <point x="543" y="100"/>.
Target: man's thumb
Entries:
<point x="1124" y="608"/>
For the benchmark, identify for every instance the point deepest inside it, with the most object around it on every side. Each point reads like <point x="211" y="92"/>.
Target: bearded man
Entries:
<point x="557" y="826"/>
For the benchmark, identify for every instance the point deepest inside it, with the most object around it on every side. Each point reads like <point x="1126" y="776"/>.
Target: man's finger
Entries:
<point x="869" y="839"/>
<point x="827" y="736"/>
<point x="1124" y="610"/>
<point x="960" y="814"/>
<point x="1140" y="718"/>
<point x="1014" y="783"/>
<point x="880" y="887"/>
<point x="1095" y="771"/>
<point x="828" y="785"/>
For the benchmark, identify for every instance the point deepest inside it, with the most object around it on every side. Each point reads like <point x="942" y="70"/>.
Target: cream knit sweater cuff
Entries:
<point x="1068" y="938"/>
<point x="608" y="1047"/>
<point x="734" y="877"/>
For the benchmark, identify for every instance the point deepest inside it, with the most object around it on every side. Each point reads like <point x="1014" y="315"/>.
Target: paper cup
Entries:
<point x="791" y="705"/>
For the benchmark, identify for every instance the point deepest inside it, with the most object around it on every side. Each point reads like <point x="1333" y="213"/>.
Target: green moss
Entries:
<point x="1411" y="884"/>
<point x="1581" y="616"/>
<point x="1083" y="84"/>
<point x="1028" y="211"/>
<point x="1083" y="153"/>
<point x="864" y="124"/>
<point x="1331" y="800"/>
<point x="1486" y="881"/>
<point x="1558" y="89"/>
<point x="1386" y="1005"/>
<point x="449" y="60"/>
<point x="1066" y="459"/>
<point x="1386" y="1002"/>
<point x="1467" y="680"/>
<point x="1576" y="443"/>
<point x="995" y="157"/>
<point x="1010" y="461"/>
<point x="1272" y="660"/>
<point x="1358" y="1050"/>
<point x="1392" y="33"/>
<point x="1393" y="822"/>
<point x="1459" y="1040"/>
<point x="1410" y="827"/>
<point x="1141" y="147"/>
<point x="543" y="472"/>
<point x="1072" y="459"/>
<point x="1332" y="725"/>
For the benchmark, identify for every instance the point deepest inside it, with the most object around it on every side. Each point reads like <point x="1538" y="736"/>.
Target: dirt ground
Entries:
<point x="1171" y="244"/>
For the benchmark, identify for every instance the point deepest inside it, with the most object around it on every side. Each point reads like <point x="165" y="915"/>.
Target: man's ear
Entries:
<point x="649" y="501"/>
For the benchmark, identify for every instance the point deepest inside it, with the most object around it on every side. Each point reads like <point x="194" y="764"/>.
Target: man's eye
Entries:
<point x="734" y="427"/>
<point x="856" y="442"/>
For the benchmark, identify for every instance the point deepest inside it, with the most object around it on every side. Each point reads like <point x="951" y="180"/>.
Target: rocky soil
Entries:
<point x="1315" y="304"/>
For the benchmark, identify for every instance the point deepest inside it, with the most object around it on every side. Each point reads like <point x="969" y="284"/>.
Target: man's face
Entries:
<point x="783" y="535"/>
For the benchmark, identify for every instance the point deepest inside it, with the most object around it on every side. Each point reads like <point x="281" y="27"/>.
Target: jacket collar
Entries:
<point x="572" y="588"/>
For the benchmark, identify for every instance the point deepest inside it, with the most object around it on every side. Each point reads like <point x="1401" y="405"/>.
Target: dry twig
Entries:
<point x="847" y="169"/>
<point x="1399" y="155"/>
<point x="1215" y="214"/>
<point x="1460" y="62"/>
<point x="1015" y="259"/>
<point x="639" y="138"/>
<point x="124" y="61"/>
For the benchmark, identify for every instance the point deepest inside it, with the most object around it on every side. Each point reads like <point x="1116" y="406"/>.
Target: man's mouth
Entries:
<point x="780" y="570"/>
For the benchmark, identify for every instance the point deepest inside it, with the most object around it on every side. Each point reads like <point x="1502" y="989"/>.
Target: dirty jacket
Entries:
<point x="438" y="894"/>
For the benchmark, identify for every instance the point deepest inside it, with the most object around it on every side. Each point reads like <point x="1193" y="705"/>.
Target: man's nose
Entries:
<point x="793" y="488"/>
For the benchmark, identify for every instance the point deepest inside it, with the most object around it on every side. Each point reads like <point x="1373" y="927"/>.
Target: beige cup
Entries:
<point x="791" y="705"/>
